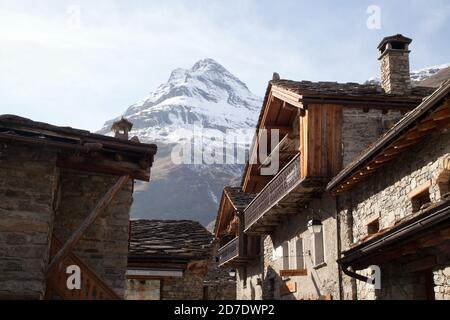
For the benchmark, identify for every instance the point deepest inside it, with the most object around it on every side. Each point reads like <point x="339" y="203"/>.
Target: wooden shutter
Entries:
<point x="319" y="254"/>
<point x="300" y="262"/>
<point x="285" y="255"/>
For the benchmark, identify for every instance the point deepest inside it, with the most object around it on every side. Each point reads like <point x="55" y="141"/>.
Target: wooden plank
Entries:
<point x="441" y="114"/>
<point x="293" y="273"/>
<point x="420" y="189"/>
<point x="105" y="166"/>
<point x="303" y="144"/>
<point x="422" y="264"/>
<point x="288" y="288"/>
<point x="283" y="130"/>
<point x="76" y="236"/>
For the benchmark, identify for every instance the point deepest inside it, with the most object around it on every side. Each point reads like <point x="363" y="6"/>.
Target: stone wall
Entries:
<point x="249" y="281"/>
<point x="104" y="246"/>
<point x="28" y="180"/>
<point x="386" y="193"/>
<point x="395" y="77"/>
<point x="360" y="129"/>
<point x="441" y="277"/>
<point x="188" y="287"/>
<point x="321" y="281"/>
<point x="143" y="289"/>
<point x="386" y="196"/>
<point x="220" y="290"/>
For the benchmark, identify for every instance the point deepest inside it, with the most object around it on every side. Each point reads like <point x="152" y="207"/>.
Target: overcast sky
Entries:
<point x="80" y="63"/>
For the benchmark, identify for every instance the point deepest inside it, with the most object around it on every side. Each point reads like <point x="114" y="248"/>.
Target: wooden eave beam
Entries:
<point x="105" y="166"/>
<point x="287" y="96"/>
<point x="101" y="206"/>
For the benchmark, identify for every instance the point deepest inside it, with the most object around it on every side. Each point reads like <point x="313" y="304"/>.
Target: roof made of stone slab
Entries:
<point x="344" y="89"/>
<point x="183" y="239"/>
<point x="239" y="199"/>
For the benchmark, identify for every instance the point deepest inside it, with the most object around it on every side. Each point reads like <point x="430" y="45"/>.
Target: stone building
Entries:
<point x="322" y="128"/>
<point x="168" y="260"/>
<point x="65" y="196"/>
<point x="394" y="208"/>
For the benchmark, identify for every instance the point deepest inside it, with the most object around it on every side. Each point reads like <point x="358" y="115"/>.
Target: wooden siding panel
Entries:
<point x="321" y="131"/>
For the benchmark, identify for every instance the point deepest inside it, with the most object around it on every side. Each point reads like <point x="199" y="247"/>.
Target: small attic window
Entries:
<point x="373" y="227"/>
<point x="420" y="197"/>
<point x="421" y="201"/>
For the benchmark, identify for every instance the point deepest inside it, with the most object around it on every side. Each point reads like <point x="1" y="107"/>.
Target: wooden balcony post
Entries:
<point x="241" y="235"/>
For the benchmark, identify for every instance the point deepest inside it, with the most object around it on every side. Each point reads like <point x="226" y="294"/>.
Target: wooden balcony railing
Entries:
<point x="92" y="287"/>
<point x="228" y="251"/>
<point x="285" y="181"/>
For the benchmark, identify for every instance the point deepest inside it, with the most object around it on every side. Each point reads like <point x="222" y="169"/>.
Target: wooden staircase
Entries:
<point x="92" y="286"/>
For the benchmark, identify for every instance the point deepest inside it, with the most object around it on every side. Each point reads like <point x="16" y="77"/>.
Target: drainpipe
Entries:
<point x="352" y="274"/>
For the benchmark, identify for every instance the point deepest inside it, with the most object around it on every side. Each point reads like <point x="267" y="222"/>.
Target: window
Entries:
<point x="421" y="201"/>
<point x="420" y="198"/>
<point x="319" y="252"/>
<point x="285" y="247"/>
<point x="373" y="227"/>
<point x="300" y="262"/>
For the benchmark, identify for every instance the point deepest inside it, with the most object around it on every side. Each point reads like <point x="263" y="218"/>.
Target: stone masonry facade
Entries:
<point x="361" y="128"/>
<point x="38" y="200"/>
<point x="27" y="184"/>
<point x="395" y="77"/>
<point x="104" y="246"/>
<point x="386" y="196"/>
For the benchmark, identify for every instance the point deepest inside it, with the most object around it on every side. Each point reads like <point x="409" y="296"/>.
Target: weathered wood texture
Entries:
<point x="92" y="286"/>
<point x="320" y="147"/>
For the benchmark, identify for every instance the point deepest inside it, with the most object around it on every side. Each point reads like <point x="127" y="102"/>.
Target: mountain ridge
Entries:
<point x="205" y="95"/>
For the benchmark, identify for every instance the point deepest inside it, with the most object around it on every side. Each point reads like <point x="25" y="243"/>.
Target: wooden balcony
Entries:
<point x="92" y="286"/>
<point x="282" y="196"/>
<point x="234" y="253"/>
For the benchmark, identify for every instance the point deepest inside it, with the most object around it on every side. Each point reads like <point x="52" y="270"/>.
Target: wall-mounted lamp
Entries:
<point x="315" y="226"/>
<point x="232" y="273"/>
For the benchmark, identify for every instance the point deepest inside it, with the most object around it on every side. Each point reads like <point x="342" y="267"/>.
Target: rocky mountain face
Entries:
<point x="193" y="106"/>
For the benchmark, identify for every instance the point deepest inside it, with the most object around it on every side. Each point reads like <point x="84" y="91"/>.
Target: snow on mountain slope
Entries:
<point x="205" y="95"/>
<point x="425" y="73"/>
<point x="418" y="75"/>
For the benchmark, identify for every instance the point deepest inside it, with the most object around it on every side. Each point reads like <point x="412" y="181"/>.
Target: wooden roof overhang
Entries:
<point x="232" y="201"/>
<point x="80" y="149"/>
<point x="432" y="114"/>
<point x="285" y="100"/>
<point x="278" y="113"/>
<point x="408" y="238"/>
<point x="224" y="215"/>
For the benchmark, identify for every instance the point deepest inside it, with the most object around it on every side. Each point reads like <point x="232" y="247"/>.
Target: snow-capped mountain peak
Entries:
<point x="207" y="93"/>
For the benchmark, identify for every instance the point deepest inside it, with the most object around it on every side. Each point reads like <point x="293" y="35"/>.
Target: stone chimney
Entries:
<point x="394" y="58"/>
<point x="121" y="128"/>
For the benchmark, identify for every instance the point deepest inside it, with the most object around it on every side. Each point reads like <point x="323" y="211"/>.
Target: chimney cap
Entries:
<point x="122" y="123"/>
<point x="395" y="38"/>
